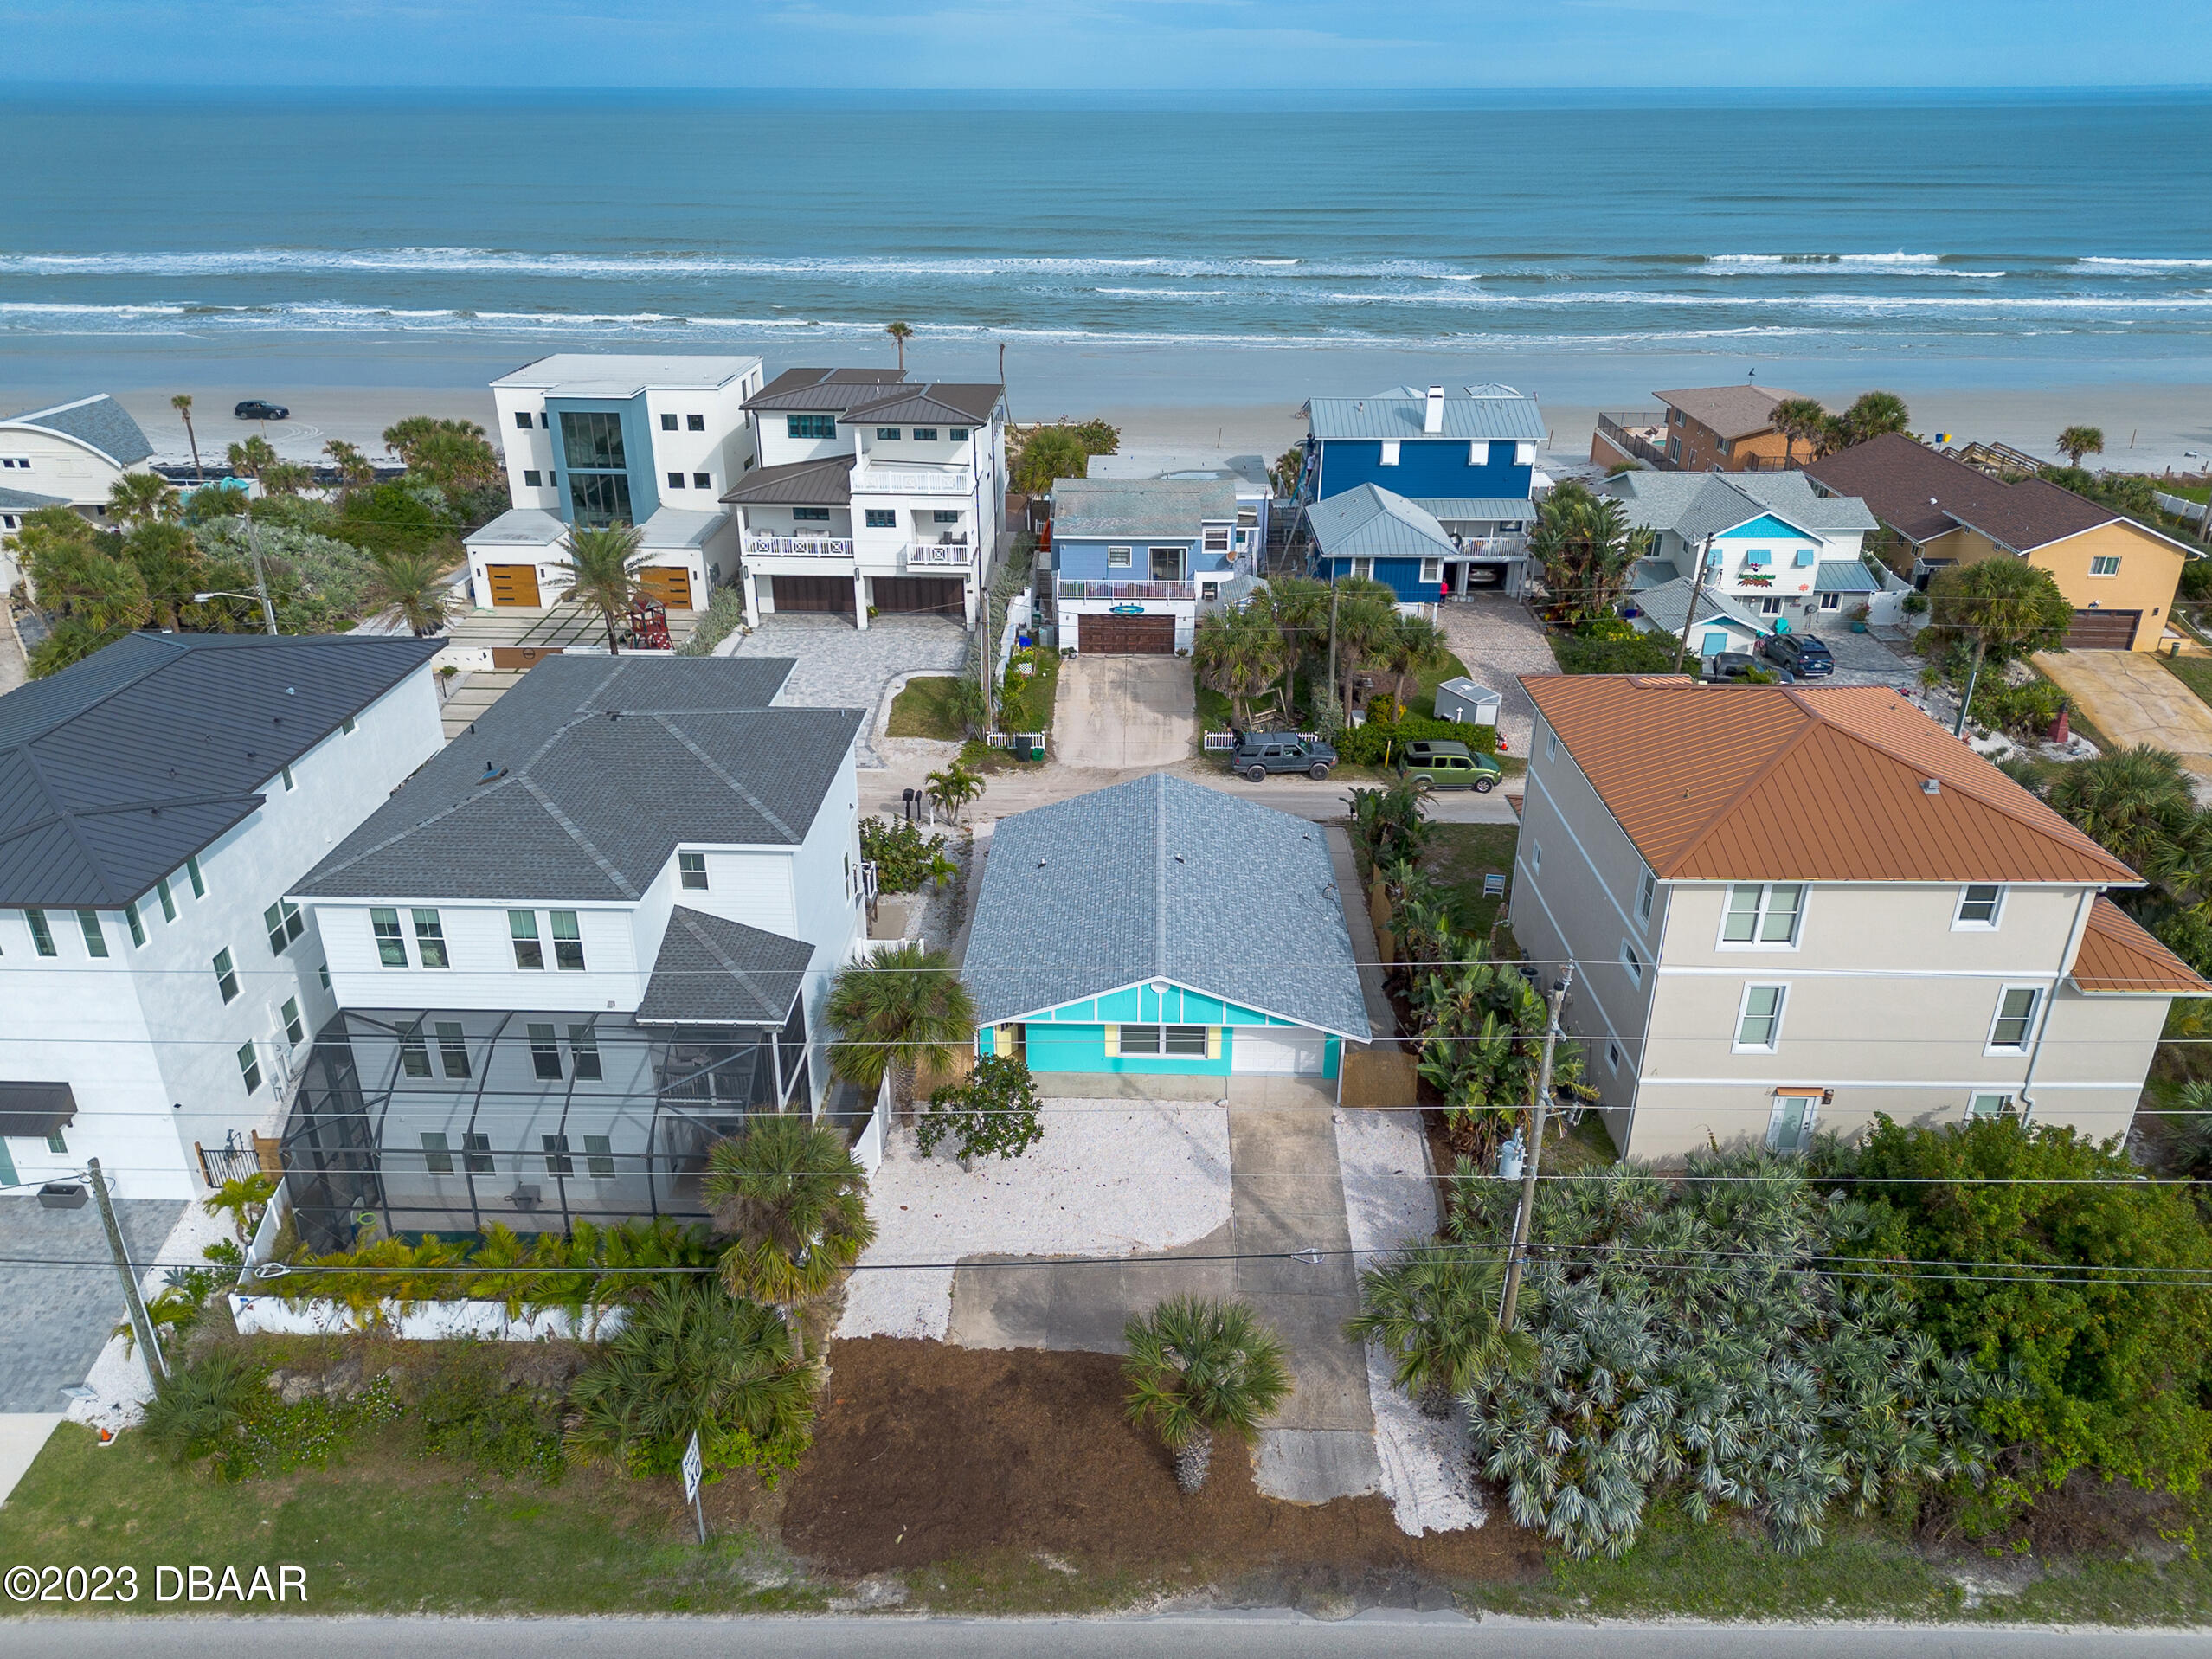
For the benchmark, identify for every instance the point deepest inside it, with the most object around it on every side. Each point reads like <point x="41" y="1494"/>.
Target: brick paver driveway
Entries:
<point x="1499" y="639"/>
<point x="2134" y="698"/>
<point x="58" y="1316"/>
<point x="840" y="666"/>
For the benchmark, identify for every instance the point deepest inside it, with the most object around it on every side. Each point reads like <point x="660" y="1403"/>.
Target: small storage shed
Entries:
<point x="1463" y="700"/>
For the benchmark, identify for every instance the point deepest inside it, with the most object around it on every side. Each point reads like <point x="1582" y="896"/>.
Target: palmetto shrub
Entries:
<point x="1692" y="1341"/>
<point x="1195" y="1367"/>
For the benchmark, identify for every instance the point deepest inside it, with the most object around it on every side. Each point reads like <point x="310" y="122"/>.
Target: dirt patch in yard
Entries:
<point x="928" y="1454"/>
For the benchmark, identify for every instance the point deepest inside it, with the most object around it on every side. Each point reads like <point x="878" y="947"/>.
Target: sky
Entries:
<point x="1022" y="45"/>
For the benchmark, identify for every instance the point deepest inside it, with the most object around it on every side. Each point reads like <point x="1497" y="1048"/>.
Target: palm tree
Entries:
<point x="1239" y="653"/>
<point x="1794" y="418"/>
<point x="354" y="470"/>
<point x="603" y="562"/>
<point x="182" y="404"/>
<point x="408" y="587"/>
<point x="2133" y="802"/>
<point x="794" y="1197"/>
<point x="1197" y="1368"/>
<point x="287" y="478"/>
<point x="1434" y="1309"/>
<point x="954" y="789"/>
<point x="1414" y="646"/>
<point x="1302" y="617"/>
<point x="142" y="497"/>
<point x="2076" y="442"/>
<point x="901" y="332"/>
<point x="252" y="457"/>
<point x="1365" y="622"/>
<point x="1586" y="549"/>
<point x="895" y="1012"/>
<point x="1873" y="414"/>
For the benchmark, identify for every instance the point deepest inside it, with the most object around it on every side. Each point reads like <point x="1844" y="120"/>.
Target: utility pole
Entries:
<point x="157" y="1362"/>
<point x="1689" y="617"/>
<point x="1520" y="1222"/>
<point x="1333" y="597"/>
<point x="1958" y="726"/>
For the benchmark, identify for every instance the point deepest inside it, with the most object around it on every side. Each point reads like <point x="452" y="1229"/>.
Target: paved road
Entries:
<point x="1265" y="1635"/>
<point x="1013" y="792"/>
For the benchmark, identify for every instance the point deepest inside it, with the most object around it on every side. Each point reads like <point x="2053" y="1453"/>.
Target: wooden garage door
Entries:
<point x="512" y="584"/>
<point x="814" y="593"/>
<point x="1126" y="635"/>
<point x="2103" y="631"/>
<point x="669" y="583"/>
<point x="917" y="593"/>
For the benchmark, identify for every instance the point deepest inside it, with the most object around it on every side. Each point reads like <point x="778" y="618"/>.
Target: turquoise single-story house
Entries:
<point x="1162" y="927"/>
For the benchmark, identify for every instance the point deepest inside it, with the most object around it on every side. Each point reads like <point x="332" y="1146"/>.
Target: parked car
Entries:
<point x="1259" y="753"/>
<point x="1741" y="665"/>
<point x="1802" y="654"/>
<point x="255" y="410"/>
<point x="1442" y="764"/>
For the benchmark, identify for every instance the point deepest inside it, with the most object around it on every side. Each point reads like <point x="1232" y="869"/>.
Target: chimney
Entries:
<point x="1432" y="417"/>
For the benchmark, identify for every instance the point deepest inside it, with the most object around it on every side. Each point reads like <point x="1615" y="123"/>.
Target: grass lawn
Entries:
<point x="1422" y="700"/>
<point x="2196" y="672"/>
<point x="1458" y="857"/>
<point x="2186" y="492"/>
<point x="382" y="1531"/>
<point x="927" y="708"/>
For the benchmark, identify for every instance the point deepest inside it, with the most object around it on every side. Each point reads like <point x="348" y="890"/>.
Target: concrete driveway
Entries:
<point x="2132" y="698"/>
<point x="1124" y="714"/>
<point x="1499" y="639"/>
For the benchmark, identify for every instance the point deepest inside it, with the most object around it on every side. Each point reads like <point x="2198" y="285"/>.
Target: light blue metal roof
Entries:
<point x="98" y="420"/>
<point x="1499" y="413"/>
<point x="1476" y="506"/>
<point x="1373" y="523"/>
<point x="1163" y="879"/>
<point x="1844" y="576"/>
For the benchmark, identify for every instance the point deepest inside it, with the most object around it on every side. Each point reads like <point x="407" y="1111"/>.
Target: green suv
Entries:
<point x="1443" y="764"/>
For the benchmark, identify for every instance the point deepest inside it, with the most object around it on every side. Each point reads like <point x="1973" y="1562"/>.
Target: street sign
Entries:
<point x="692" y="1468"/>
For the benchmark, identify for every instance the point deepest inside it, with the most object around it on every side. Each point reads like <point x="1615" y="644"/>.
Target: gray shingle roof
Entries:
<point x="715" y="971"/>
<point x="116" y="769"/>
<point x="600" y="767"/>
<point x="1697" y="504"/>
<point x="1130" y="506"/>
<point x="1371" y="522"/>
<point x="1666" y="603"/>
<point x="24" y="501"/>
<point x="1736" y="411"/>
<point x="1161" y="878"/>
<point x="826" y="482"/>
<point x="1499" y="412"/>
<point x="98" y="420"/>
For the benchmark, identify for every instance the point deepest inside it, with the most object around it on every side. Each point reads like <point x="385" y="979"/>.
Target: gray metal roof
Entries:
<point x="711" y="971"/>
<point x="580" y="782"/>
<point x="940" y="402"/>
<point x="825" y="391"/>
<point x="1371" y="522"/>
<point x="1649" y="572"/>
<point x="1697" y="504"/>
<point x="520" y="527"/>
<point x="1476" y="506"/>
<point x="118" y="768"/>
<point x="1130" y="506"/>
<point x="98" y="420"/>
<point x="1844" y="576"/>
<point x="1161" y="878"/>
<point x="1501" y="413"/>
<point x="24" y="501"/>
<point x="1667" y="603"/>
<point x="826" y="482"/>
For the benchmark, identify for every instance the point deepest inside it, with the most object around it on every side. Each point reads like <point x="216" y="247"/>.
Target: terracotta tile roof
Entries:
<point x="1922" y="494"/>
<point x="1732" y="411"/>
<point x="1804" y="783"/>
<point x="2118" y="957"/>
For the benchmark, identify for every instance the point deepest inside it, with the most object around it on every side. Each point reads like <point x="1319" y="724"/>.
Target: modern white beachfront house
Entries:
<point x="591" y="438"/>
<point x="64" y="455"/>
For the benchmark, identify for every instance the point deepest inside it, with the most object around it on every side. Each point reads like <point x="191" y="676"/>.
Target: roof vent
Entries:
<point x="1931" y="786"/>
<point x="1432" y="416"/>
<point x="493" y="774"/>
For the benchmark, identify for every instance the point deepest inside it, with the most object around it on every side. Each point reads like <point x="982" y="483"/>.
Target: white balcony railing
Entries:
<point x="939" y="555"/>
<point x="869" y="478"/>
<point x="1071" y="588"/>
<point x="797" y="547"/>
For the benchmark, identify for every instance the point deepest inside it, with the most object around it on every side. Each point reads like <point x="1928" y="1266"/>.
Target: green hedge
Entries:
<point x="1381" y="742"/>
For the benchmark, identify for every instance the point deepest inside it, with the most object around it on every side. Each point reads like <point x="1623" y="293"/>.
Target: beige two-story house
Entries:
<point x="1791" y="907"/>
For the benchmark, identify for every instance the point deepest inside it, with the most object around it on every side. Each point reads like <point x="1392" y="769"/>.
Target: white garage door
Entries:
<point x="1281" y="1051"/>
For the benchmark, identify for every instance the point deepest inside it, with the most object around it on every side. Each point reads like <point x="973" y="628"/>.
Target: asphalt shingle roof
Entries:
<point x="98" y="420"/>
<point x="118" y="768"/>
<point x="1697" y="504"/>
<point x="1666" y="603"/>
<point x="1498" y="413"/>
<point x="1371" y="522"/>
<point x="24" y="501"/>
<point x="1737" y="411"/>
<point x="1128" y="506"/>
<point x="579" y="783"/>
<point x="715" y="971"/>
<point x="1922" y="494"/>
<point x="1161" y="878"/>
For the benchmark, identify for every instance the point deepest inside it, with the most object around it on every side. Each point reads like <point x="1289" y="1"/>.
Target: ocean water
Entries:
<point x="2022" y="234"/>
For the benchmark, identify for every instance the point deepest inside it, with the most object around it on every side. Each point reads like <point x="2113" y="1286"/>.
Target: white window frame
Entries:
<point x="1831" y="601"/>
<point x="1535" y="858"/>
<point x="1646" y="889"/>
<point x="1551" y="745"/>
<point x="1613" y="1057"/>
<point x="1959" y="923"/>
<point x="2004" y="1103"/>
<point x="1993" y="1049"/>
<point x="1759" y="917"/>
<point x="1390" y="452"/>
<point x="1736" y="1043"/>
<point x="1431" y="572"/>
<point x="2096" y="559"/>
<point x="1120" y="558"/>
<point x="1770" y="605"/>
<point x="1633" y="961"/>
<point x="1806" y="1127"/>
<point x="1524" y="453"/>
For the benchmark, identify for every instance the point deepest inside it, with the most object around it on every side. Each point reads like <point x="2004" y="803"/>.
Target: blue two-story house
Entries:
<point x="1467" y="460"/>
<point x="1135" y="560"/>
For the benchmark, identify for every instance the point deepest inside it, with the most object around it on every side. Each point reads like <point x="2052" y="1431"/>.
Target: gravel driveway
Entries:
<point x="840" y="666"/>
<point x="1499" y="639"/>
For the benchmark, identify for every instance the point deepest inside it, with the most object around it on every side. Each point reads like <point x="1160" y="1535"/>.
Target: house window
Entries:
<point x="583" y="1053"/>
<point x="567" y="942"/>
<point x="1167" y="564"/>
<point x="1631" y="962"/>
<point x="1978" y="905"/>
<point x="1363" y="569"/>
<point x="1763" y="915"/>
<point x="1390" y="452"/>
<point x="1118" y="558"/>
<point x="168" y="900"/>
<point x="1646" y="891"/>
<point x="810" y="426"/>
<point x="883" y="518"/>
<point x="691" y="871"/>
<point x="599" y="1157"/>
<point x="522" y="419"/>
<point x="598" y="498"/>
<point x="925" y="434"/>
<point x="192" y="871"/>
<point x="95" y="941"/>
<point x="1831" y="601"/>
<point x="437" y="1157"/>
<point x="294" y="1033"/>
<point x="1431" y="572"/>
<point x="1759" y="1021"/>
<point x="1217" y="541"/>
<point x="522" y="928"/>
<point x="391" y="945"/>
<point x="556" y="1154"/>
<point x="1139" y="1039"/>
<point x="2015" y="1017"/>
<point x="226" y="975"/>
<point x="1551" y="746"/>
<point x="675" y="480"/>
<point x="544" y="1053"/>
<point x="1789" y="1128"/>
<point x="668" y="423"/>
<point x="810" y="515"/>
<point x="414" y="1053"/>
<point x="430" y="939"/>
<point x="322" y="975"/>
<point x="346" y="726"/>
<point x="1613" y="1056"/>
<point x="2104" y="564"/>
<point x="477" y="1152"/>
<point x="42" y="934"/>
<point x="249" y="1067"/>
<point x="533" y="478"/>
<point x="1770" y="606"/>
<point x="1186" y="1039"/>
<point x="944" y="515"/>
<point x="703" y="480"/>
<point x="1536" y="858"/>
<point x="138" y="927"/>
<point x="452" y="1049"/>
<point x="1987" y="1106"/>
<point x="887" y="434"/>
<point x="284" y="923"/>
<point x="57" y="1142"/>
<point x="695" y="423"/>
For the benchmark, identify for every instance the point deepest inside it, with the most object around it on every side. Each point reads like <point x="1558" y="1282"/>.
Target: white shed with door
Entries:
<point x="1460" y="699"/>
